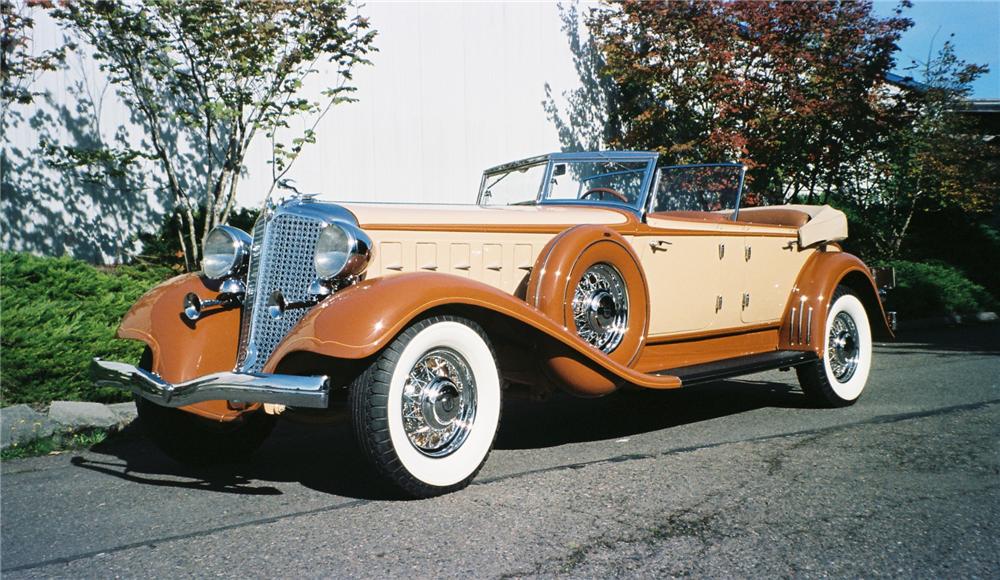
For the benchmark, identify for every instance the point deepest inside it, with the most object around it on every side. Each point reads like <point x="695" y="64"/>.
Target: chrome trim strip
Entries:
<point x="791" y="327"/>
<point x="291" y="390"/>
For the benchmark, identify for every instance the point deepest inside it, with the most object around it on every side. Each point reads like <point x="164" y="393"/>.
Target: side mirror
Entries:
<point x="558" y="170"/>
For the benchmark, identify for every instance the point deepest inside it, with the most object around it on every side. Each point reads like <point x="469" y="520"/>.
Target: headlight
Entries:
<point x="226" y="252"/>
<point x="341" y="250"/>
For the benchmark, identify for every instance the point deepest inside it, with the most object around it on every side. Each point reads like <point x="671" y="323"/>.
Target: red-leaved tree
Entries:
<point x="792" y="89"/>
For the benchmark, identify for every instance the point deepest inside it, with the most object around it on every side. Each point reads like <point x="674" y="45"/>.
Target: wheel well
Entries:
<point x="862" y="287"/>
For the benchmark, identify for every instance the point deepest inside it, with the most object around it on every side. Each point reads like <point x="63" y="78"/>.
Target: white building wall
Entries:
<point x="453" y="88"/>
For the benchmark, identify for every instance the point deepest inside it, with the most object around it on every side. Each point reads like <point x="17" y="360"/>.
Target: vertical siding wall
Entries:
<point x="454" y="88"/>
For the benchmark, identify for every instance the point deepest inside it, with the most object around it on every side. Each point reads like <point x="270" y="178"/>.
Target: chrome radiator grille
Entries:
<point x="281" y="259"/>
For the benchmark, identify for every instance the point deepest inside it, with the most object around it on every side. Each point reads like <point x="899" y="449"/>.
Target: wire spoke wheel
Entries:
<point x="600" y="307"/>
<point x="439" y="402"/>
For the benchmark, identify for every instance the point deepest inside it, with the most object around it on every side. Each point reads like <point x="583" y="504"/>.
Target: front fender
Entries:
<point x="359" y="321"/>
<point x="182" y="349"/>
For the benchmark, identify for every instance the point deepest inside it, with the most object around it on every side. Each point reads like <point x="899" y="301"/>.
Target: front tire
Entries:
<point x="839" y="378"/>
<point x="427" y="410"/>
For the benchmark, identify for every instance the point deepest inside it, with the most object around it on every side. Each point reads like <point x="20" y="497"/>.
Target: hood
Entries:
<point x="389" y="214"/>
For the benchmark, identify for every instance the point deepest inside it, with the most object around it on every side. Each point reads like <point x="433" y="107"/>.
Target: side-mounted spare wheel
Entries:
<point x="839" y="377"/>
<point x="590" y="280"/>
<point x="426" y="410"/>
<point x="196" y="440"/>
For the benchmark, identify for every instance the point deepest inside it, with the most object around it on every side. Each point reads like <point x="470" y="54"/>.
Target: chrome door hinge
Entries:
<point x="718" y="303"/>
<point x="746" y="300"/>
<point x="746" y="253"/>
<point x="722" y="251"/>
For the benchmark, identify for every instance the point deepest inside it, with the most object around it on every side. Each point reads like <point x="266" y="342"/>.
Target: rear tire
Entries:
<point x="194" y="440"/>
<point x="839" y="378"/>
<point x="426" y="411"/>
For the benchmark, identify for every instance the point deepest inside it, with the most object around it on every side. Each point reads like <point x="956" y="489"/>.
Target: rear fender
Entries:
<point x="803" y="325"/>
<point x="361" y="320"/>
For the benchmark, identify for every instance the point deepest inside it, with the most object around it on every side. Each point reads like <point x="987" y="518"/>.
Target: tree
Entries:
<point x="933" y="159"/>
<point x="20" y="64"/>
<point x="788" y="88"/>
<point x="204" y="78"/>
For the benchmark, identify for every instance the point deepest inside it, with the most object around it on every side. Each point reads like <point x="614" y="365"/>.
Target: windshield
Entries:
<point x="601" y="178"/>
<point x="698" y="188"/>
<point x="608" y="181"/>
<point x="515" y="187"/>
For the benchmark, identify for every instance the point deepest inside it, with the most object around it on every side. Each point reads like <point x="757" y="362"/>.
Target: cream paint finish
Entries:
<point x="503" y="261"/>
<point x="769" y="275"/>
<point x="430" y="215"/>
<point x="686" y="274"/>
<point x="681" y="275"/>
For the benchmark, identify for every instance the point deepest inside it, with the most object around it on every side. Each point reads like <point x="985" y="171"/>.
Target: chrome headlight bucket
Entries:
<point x="342" y="250"/>
<point x="226" y="252"/>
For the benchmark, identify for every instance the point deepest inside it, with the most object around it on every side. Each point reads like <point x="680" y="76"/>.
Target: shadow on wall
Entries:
<point x="69" y="188"/>
<point x="591" y="118"/>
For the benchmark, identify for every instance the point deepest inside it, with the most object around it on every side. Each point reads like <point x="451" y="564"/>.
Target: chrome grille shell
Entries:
<point x="281" y="259"/>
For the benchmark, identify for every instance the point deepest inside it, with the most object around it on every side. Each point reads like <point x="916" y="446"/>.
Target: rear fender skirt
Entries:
<point x="359" y="321"/>
<point x="804" y="320"/>
<point x="182" y="349"/>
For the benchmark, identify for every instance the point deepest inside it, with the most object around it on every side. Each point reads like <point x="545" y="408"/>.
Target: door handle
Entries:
<point x="660" y="245"/>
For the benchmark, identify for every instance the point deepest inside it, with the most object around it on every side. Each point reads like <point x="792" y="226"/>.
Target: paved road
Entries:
<point x="733" y="479"/>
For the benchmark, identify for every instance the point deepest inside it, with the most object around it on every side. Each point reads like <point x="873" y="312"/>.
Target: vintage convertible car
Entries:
<point x="588" y="272"/>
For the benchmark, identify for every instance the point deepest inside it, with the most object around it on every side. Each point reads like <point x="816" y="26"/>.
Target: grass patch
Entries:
<point x="57" y="314"/>
<point x="84" y="439"/>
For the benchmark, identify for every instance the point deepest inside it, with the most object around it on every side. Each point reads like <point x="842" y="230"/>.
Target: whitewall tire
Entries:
<point x="839" y="378"/>
<point x="427" y="410"/>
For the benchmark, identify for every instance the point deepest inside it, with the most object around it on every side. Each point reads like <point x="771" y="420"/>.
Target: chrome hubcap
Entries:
<point x="439" y="402"/>
<point x="600" y="307"/>
<point x="843" y="347"/>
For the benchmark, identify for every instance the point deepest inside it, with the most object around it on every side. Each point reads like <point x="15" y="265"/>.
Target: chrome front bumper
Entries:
<point x="290" y="390"/>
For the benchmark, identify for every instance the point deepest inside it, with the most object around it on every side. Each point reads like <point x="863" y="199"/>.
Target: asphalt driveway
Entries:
<point x="735" y="478"/>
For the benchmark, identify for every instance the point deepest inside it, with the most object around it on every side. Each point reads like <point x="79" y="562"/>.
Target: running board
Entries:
<point x="744" y="365"/>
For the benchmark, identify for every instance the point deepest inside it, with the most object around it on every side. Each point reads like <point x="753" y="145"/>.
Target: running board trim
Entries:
<point x="744" y="365"/>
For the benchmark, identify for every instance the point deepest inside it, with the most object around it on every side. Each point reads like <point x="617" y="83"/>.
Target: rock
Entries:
<point x="20" y="424"/>
<point x="78" y="415"/>
<point x="987" y="317"/>
<point x="125" y="412"/>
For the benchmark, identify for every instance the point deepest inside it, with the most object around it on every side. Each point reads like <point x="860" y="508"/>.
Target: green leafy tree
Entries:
<point x="209" y="76"/>
<point x="934" y="159"/>
<point x="20" y="62"/>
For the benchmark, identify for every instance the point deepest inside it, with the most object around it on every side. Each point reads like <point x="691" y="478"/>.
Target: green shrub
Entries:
<point x="932" y="288"/>
<point x="55" y="315"/>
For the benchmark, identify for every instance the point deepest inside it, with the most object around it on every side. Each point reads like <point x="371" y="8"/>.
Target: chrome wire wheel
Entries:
<point x="600" y="307"/>
<point x="843" y="347"/>
<point x="439" y="402"/>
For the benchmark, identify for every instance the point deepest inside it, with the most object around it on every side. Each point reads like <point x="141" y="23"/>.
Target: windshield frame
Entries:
<point x="552" y="159"/>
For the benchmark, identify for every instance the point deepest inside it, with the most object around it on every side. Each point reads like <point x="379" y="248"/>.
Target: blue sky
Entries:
<point x="976" y="25"/>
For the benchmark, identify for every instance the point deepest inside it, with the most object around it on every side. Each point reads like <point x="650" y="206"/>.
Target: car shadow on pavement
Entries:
<point x="324" y="457"/>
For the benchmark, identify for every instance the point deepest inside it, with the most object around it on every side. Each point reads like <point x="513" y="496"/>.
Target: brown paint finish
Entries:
<point x="817" y="281"/>
<point x="663" y="356"/>
<point x="184" y="350"/>
<point x="557" y="271"/>
<point x="362" y="319"/>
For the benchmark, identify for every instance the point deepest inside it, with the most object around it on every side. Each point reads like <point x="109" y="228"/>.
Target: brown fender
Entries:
<point x="184" y="350"/>
<point x="810" y="298"/>
<point x="554" y="277"/>
<point x="359" y="321"/>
